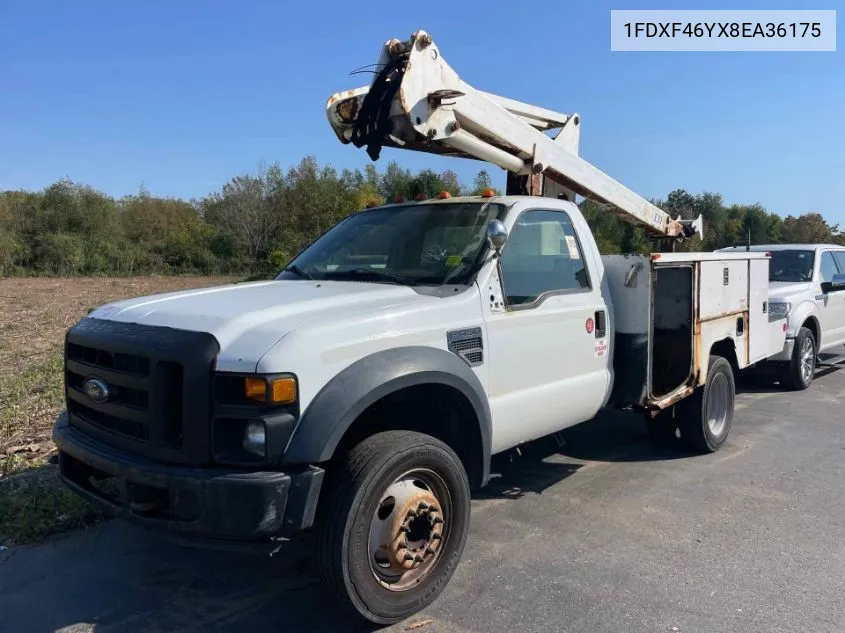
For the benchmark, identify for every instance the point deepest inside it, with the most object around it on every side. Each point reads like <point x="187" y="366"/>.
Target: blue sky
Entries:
<point x="182" y="95"/>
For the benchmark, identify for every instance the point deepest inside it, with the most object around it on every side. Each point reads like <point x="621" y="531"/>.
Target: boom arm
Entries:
<point x="417" y="101"/>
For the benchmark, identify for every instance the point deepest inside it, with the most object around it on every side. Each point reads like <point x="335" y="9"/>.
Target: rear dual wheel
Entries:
<point x="392" y="526"/>
<point x="703" y="420"/>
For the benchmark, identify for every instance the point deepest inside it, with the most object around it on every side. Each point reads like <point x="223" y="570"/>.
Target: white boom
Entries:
<point x="417" y="101"/>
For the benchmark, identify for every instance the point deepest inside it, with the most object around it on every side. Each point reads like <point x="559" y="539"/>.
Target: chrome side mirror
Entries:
<point x="497" y="234"/>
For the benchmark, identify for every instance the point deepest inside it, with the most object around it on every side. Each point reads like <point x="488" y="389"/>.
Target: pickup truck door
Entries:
<point x="832" y="308"/>
<point x="549" y="342"/>
<point x="832" y="305"/>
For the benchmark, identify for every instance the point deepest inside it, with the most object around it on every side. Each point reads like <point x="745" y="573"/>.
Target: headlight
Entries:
<point x="255" y="438"/>
<point x="254" y="417"/>
<point x="779" y="310"/>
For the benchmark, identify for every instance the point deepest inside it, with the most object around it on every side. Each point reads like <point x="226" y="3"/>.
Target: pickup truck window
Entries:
<point x="829" y="268"/>
<point x="792" y="265"/>
<point x="542" y="256"/>
<point x="839" y="256"/>
<point x="411" y="244"/>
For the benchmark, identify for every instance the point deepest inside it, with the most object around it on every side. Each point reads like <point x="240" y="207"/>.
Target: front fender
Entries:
<point x="347" y="395"/>
<point x="799" y="314"/>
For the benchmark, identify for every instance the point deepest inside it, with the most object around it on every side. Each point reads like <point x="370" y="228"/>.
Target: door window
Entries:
<point x="829" y="268"/>
<point x="542" y="256"/>
<point x="839" y="256"/>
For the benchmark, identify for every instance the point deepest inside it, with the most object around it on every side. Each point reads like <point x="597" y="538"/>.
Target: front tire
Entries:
<point x="707" y="415"/>
<point x="798" y="374"/>
<point x="393" y="523"/>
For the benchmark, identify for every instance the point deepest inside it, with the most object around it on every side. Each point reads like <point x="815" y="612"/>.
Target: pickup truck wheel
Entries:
<point x="707" y="415"/>
<point x="798" y="374"/>
<point x="393" y="524"/>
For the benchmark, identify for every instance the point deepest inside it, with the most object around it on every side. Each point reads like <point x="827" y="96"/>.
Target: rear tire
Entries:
<point x="394" y="495"/>
<point x="798" y="374"/>
<point x="707" y="415"/>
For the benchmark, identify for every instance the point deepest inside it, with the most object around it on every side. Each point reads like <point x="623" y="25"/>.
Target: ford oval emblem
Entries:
<point x="96" y="389"/>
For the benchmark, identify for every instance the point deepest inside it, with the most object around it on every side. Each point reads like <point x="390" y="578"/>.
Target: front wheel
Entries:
<point x="392" y="526"/>
<point x="798" y="374"/>
<point x="707" y="415"/>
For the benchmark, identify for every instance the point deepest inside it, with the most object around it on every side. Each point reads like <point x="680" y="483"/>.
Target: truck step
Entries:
<point x="830" y="360"/>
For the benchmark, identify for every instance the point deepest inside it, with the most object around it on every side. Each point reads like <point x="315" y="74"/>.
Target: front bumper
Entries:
<point x="210" y="502"/>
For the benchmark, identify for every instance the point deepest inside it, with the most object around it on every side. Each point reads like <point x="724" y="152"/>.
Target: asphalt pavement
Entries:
<point x="606" y="533"/>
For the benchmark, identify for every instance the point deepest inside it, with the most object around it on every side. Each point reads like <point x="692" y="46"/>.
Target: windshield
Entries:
<point x="411" y="244"/>
<point x="791" y="266"/>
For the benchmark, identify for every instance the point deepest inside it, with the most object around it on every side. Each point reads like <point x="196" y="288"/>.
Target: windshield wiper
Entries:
<point x="296" y="270"/>
<point x="377" y="275"/>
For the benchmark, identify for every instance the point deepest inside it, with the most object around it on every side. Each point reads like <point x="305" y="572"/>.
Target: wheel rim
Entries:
<point x="718" y="396"/>
<point x="807" y="360"/>
<point x="409" y="529"/>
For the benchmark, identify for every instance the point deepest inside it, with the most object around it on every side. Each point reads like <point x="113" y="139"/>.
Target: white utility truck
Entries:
<point x="365" y="388"/>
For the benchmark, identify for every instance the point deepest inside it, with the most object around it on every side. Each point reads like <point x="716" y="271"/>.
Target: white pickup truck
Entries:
<point x="364" y="389"/>
<point x="808" y="288"/>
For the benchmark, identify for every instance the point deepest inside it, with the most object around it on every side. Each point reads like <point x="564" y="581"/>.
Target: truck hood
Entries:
<point x="247" y="319"/>
<point x="786" y="289"/>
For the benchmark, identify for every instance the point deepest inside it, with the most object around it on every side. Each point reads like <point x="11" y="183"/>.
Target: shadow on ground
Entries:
<point x="116" y="577"/>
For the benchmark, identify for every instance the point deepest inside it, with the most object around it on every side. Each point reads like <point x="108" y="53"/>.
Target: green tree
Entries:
<point x="395" y="182"/>
<point x="808" y="228"/>
<point x="426" y="183"/>
<point x="481" y="182"/>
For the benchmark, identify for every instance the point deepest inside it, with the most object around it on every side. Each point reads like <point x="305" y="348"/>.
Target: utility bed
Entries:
<point x="671" y="309"/>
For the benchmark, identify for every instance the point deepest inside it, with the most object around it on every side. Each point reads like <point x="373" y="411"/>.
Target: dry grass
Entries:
<point x="34" y="315"/>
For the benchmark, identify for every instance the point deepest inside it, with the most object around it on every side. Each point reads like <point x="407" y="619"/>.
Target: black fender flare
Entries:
<point x="347" y="395"/>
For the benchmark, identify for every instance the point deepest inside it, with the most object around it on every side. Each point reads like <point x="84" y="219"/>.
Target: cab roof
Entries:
<point x="508" y="201"/>
<point x="782" y="247"/>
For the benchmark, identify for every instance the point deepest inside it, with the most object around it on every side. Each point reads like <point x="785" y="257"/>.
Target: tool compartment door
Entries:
<point x="764" y="339"/>
<point x="723" y="288"/>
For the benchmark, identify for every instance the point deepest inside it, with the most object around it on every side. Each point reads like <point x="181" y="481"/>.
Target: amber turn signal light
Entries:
<point x="255" y="389"/>
<point x="284" y="391"/>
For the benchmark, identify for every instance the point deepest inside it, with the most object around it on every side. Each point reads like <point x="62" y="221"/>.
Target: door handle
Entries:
<point x="601" y="324"/>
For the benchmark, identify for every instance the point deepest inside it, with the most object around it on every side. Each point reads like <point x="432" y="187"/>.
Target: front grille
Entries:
<point x="158" y="383"/>
<point x="127" y="363"/>
<point x="127" y="409"/>
<point x="128" y="428"/>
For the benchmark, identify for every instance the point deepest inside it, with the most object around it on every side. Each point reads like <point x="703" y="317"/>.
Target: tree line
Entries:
<point x="256" y="222"/>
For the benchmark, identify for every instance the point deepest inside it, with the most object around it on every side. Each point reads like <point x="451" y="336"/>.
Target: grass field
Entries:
<point x="34" y="315"/>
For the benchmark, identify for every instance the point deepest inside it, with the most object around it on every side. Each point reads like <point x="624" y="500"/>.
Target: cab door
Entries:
<point x="832" y="308"/>
<point x="549" y="336"/>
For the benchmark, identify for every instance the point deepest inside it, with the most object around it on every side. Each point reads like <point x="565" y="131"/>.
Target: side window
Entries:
<point x="839" y="256"/>
<point x="828" y="266"/>
<point x="542" y="255"/>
